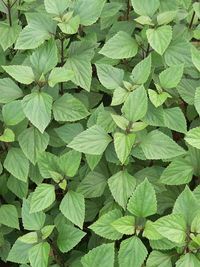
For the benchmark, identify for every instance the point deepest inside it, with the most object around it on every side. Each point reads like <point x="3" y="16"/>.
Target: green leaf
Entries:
<point x="122" y="185"/>
<point x="167" y="78"/>
<point x="17" y="73"/>
<point x="9" y="216"/>
<point x="8" y="34"/>
<point x="187" y="205"/>
<point x="37" y="108"/>
<point x="79" y="61"/>
<point x="69" y="108"/>
<point x="196" y="100"/>
<point x="132" y="252"/>
<point x="195" y="57"/>
<point x="44" y="58"/>
<point x="56" y="7"/>
<point x="174" y="119"/>
<point x="141" y="71"/>
<point x="69" y="237"/>
<point x="145" y="7"/>
<point x="39" y="255"/>
<point x="69" y="26"/>
<point x="157" y="145"/>
<point x="58" y="75"/>
<point x="7" y="136"/>
<point x="93" y="185"/>
<point x="100" y="256"/>
<point x="157" y="99"/>
<point x="9" y="91"/>
<point x="173" y="227"/>
<point x="125" y="225"/>
<point x="19" y="170"/>
<point x="103" y="226"/>
<point x="166" y="17"/>
<point x="159" y="259"/>
<point x="123" y="144"/>
<point x="42" y="197"/>
<point x="40" y="28"/>
<point x="135" y="106"/>
<point x="89" y="11"/>
<point x="179" y="171"/>
<point x="92" y="141"/>
<point x="31" y="221"/>
<point x="17" y="187"/>
<point x="188" y="259"/>
<point x="160" y="38"/>
<point x="109" y="76"/>
<point x="121" y="45"/>
<point x="19" y="252"/>
<point x="72" y="207"/>
<point x="12" y="113"/>
<point x="33" y="142"/>
<point x="143" y="201"/>
<point x="70" y="162"/>
<point x="193" y="137"/>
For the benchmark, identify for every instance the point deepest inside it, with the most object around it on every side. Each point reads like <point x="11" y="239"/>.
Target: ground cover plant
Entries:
<point x="100" y="133"/>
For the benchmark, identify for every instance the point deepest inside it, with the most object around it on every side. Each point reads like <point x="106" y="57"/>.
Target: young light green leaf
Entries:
<point x="123" y="144"/>
<point x="37" y="108"/>
<point x="8" y="34"/>
<point x="69" y="108"/>
<point x="143" y="201"/>
<point x="92" y="141"/>
<point x="160" y="38"/>
<point x="19" y="252"/>
<point x="7" y="136"/>
<point x="157" y="99"/>
<point x="121" y="45"/>
<point x="72" y="207"/>
<point x="22" y="74"/>
<point x="122" y="185"/>
<point x="42" y="197"/>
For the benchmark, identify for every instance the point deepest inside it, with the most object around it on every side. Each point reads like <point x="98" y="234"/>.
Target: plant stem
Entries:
<point x="192" y="19"/>
<point x="9" y="13"/>
<point x="128" y="10"/>
<point x="148" y="49"/>
<point x="4" y="3"/>
<point x="62" y="63"/>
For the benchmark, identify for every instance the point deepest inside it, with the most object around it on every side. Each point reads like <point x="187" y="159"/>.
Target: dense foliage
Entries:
<point x="100" y="133"/>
